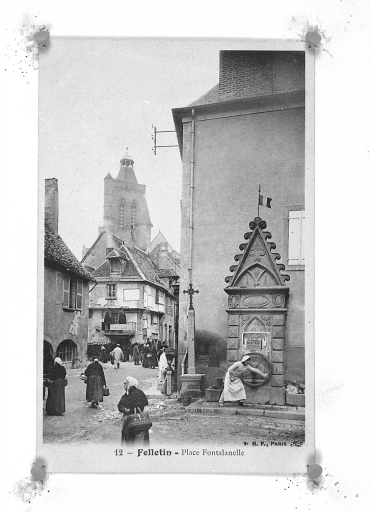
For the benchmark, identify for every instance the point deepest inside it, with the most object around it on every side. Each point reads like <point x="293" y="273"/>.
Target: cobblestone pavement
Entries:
<point x="171" y="421"/>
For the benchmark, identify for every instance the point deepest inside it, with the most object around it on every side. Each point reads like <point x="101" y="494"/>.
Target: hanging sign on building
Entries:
<point x="255" y="341"/>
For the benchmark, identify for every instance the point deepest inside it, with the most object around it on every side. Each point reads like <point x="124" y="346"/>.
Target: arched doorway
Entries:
<point x="67" y="351"/>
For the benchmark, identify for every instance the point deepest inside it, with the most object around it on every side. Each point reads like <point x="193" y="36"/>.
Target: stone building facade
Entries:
<point x="130" y="302"/>
<point x="66" y="291"/>
<point x="246" y="132"/>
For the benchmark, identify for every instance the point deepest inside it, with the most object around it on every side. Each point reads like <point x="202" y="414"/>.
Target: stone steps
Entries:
<point x="280" y="412"/>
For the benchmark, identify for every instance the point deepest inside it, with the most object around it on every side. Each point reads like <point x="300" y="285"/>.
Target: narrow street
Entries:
<point x="171" y="421"/>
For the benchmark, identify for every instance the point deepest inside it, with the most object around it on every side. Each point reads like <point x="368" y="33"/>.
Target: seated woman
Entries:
<point x="234" y="389"/>
<point x="133" y="398"/>
<point x="95" y="383"/>
<point x="56" y="403"/>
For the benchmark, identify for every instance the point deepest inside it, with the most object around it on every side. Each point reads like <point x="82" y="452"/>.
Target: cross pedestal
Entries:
<point x="191" y="385"/>
<point x="191" y="382"/>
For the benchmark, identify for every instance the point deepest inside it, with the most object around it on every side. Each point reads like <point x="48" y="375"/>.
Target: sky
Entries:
<point x="98" y="96"/>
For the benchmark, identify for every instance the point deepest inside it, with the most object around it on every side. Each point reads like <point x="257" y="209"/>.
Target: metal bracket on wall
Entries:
<point x="154" y="138"/>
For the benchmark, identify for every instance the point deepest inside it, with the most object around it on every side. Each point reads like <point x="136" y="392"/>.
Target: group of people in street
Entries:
<point x="147" y="354"/>
<point x="132" y="401"/>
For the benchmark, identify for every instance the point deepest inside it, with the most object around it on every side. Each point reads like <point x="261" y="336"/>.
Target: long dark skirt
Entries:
<point x="55" y="403"/>
<point x="153" y="361"/>
<point x="131" y="438"/>
<point x="145" y="362"/>
<point x="94" y="389"/>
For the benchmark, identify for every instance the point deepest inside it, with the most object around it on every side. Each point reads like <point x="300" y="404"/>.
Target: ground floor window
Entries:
<point x="67" y="351"/>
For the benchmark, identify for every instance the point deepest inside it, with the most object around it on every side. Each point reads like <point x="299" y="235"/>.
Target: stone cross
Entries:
<point x="191" y="291"/>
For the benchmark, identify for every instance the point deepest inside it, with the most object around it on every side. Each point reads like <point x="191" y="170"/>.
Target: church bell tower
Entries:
<point x="125" y="207"/>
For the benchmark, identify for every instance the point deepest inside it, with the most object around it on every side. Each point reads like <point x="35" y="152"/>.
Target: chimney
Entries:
<point x="245" y="74"/>
<point x="51" y="204"/>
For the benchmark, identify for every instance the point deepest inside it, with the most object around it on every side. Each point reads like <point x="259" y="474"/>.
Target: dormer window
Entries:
<point x="115" y="265"/>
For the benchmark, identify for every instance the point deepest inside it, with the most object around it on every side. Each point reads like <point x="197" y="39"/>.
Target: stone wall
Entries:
<point x="60" y="324"/>
<point x="235" y="152"/>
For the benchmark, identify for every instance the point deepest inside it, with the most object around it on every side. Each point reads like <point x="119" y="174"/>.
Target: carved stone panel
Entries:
<point x="233" y="331"/>
<point x="234" y="301"/>
<point x="279" y="301"/>
<point x="256" y="301"/>
<point x="233" y="343"/>
<point x="233" y="319"/>
<point x="277" y="344"/>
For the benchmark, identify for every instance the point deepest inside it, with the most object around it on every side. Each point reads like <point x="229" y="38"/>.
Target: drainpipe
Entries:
<point x="191" y="193"/>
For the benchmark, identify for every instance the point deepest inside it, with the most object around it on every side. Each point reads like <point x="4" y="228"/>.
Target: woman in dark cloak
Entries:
<point x="48" y="363"/>
<point x="56" y="403"/>
<point x="146" y="359"/>
<point x="95" y="383"/>
<point x="133" y="398"/>
<point x="153" y="358"/>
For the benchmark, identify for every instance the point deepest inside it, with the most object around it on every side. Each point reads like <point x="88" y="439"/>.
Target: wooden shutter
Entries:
<point x="72" y="293"/>
<point x="79" y="295"/>
<point x="66" y="292"/>
<point x="296" y="238"/>
<point x="302" y="244"/>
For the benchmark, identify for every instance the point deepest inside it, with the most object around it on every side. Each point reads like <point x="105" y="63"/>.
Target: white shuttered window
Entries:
<point x="296" y="255"/>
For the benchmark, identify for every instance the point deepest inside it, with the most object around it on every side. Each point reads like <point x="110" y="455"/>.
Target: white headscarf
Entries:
<point x="245" y="358"/>
<point x="131" y="382"/>
<point x="58" y="360"/>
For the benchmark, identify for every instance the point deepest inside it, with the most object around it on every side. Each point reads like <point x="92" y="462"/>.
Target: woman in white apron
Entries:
<point x="234" y="389"/>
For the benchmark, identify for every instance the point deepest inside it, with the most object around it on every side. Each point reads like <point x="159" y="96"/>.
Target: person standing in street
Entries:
<point x="95" y="383"/>
<point x="141" y="353"/>
<point x="132" y="399"/>
<point x="136" y="354"/>
<point x="162" y="365"/>
<point x="145" y="362"/>
<point x="153" y="356"/>
<point x="118" y="356"/>
<point x="48" y="363"/>
<point x="103" y="354"/>
<point x="56" y="402"/>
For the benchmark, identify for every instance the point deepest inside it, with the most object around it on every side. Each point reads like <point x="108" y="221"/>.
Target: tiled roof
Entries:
<point x="146" y="265"/>
<point x="130" y="270"/>
<point x="138" y="264"/>
<point x="103" y="270"/>
<point x="211" y="96"/>
<point x="167" y="273"/>
<point x="115" y="238"/>
<point x="57" y="253"/>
